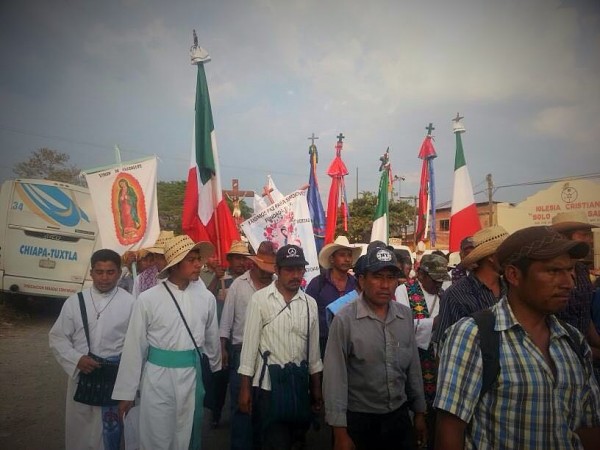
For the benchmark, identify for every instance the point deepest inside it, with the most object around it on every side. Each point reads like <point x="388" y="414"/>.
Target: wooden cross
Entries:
<point x="267" y="193"/>
<point x="429" y="128"/>
<point x="312" y="139"/>
<point x="235" y="196"/>
<point x="235" y="192"/>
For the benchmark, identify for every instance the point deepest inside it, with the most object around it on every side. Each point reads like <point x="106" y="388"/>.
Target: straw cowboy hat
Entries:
<point x="178" y="247"/>
<point x="238" y="248"/>
<point x="341" y="242"/>
<point x="571" y="221"/>
<point x="486" y="242"/>
<point x="159" y="245"/>
<point x="265" y="257"/>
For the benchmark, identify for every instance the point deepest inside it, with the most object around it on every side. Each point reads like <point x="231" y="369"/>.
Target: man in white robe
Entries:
<point x="108" y="308"/>
<point x="159" y="348"/>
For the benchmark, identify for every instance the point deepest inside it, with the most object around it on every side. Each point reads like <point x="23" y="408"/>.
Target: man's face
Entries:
<point x="290" y="278"/>
<point x="379" y="287"/>
<point x="105" y="275"/>
<point x="160" y="261"/>
<point x="342" y="259"/>
<point x="189" y="267"/>
<point x="406" y="268"/>
<point x="145" y="262"/>
<point x="546" y="287"/>
<point x="237" y="264"/>
<point x="465" y="251"/>
<point x="429" y="284"/>
<point x="263" y="276"/>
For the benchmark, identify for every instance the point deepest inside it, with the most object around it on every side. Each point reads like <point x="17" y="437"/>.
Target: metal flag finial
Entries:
<point x="457" y="126"/>
<point x="197" y="53"/>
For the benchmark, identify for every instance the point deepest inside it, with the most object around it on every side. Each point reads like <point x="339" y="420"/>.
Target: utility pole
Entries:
<point x="490" y="187"/>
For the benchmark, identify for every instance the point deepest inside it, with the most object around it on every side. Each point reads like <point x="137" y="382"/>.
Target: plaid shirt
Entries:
<point x="528" y="407"/>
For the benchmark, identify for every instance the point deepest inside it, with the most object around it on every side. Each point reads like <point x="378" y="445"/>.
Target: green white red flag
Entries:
<point x="464" y="219"/>
<point x="380" y="230"/>
<point x="206" y="216"/>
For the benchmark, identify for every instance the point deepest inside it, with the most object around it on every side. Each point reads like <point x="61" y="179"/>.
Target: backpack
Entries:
<point x="489" y="343"/>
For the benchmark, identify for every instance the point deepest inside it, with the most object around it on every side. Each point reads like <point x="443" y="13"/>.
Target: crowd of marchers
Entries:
<point x="498" y="352"/>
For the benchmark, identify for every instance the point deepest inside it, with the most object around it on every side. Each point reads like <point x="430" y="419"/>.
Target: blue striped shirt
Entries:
<point x="528" y="407"/>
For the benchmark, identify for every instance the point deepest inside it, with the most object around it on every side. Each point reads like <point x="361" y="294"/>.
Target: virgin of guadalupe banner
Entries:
<point x="286" y="221"/>
<point x="124" y="198"/>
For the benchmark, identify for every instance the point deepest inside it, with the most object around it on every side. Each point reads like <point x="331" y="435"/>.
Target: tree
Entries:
<point x="169" y="195"/>
<point x="49" y="164"/>
<point x="361" y="218"/>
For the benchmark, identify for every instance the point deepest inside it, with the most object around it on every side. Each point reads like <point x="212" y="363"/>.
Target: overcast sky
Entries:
<point x="82" y="76"/>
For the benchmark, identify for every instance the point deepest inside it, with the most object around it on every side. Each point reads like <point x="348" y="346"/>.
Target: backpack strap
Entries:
<point x="489" y="343"/>
<point x="86" y="327"/>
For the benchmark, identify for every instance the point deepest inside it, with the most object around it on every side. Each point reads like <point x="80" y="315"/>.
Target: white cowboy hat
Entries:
<point x="178" y="247"/>
<point x="486" y="243"/>
<point x="340" y="243"/>
<point x="238" y="248"/>
<point x="159" y="245"/>
<point x="571" y="221"/>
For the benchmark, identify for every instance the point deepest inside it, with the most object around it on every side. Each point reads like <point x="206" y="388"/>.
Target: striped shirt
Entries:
<point x="463" y="298"/>
<point x="282" y="330"/>
<point x="528" y="407"/>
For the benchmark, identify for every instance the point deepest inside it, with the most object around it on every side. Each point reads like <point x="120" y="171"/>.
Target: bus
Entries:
<point x="48" y="232"/>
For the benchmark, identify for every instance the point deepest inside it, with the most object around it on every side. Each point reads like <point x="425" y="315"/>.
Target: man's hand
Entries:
<point x="421" y="430"/>
<point x="224" y="354"/>
<point x="317" y="402"/>
<point x="245" y="396"/>
<point x="341" y="439"/>
<point x="87" y="364"/>
<point x="124" y="407"/>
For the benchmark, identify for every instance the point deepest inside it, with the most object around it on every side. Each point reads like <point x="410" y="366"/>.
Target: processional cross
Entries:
<point x="235" y="196"/>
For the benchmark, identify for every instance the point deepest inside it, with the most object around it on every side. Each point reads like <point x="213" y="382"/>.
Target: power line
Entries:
<point x="531" y="183"/>
<point x="136" y="152"/>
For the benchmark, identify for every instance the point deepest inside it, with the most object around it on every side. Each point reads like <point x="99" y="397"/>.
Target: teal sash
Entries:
<point x="175" y="359"/>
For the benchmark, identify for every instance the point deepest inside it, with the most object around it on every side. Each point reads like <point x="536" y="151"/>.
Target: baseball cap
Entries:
<point x="359" y="267"/>
<point x="378" y="259"/>
<point x="435" y="266"/>
<point x="538" y="243"/>
<point x="290" y="256"/>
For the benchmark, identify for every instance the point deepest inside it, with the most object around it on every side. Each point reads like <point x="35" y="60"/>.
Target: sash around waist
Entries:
<point x="174" y="359"/>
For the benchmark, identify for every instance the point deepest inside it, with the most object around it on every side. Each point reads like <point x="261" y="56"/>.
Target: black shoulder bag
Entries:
<point x="95" y="388"/>
<point x="290" y="385"/>
<point x="207" y="375"/>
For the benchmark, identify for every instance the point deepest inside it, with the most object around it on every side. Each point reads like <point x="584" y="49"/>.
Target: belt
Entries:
<point x="178" y="359"/>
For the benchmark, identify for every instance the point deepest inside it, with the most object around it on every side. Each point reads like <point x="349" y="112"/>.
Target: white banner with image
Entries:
<point x="286" y="221"/>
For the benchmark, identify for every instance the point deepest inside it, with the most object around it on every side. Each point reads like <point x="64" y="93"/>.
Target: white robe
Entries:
<point x="83" y="427"/>
<point x="167" y="394"/>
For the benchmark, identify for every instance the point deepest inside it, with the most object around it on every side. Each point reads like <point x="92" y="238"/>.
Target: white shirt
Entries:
<point x="107" y="330"/>
<point x="233" y="317"/>
<point x="281" y="331"/>
<point x="423" y="327"/>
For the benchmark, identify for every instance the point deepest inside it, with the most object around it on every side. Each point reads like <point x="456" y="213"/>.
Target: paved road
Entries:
<point x="32" y="388"/>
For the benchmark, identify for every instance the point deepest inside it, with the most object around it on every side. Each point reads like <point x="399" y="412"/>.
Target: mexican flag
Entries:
<point x="464" y="220"/>
<point x="380" y="231"/>
<point x="206" y="216"/>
